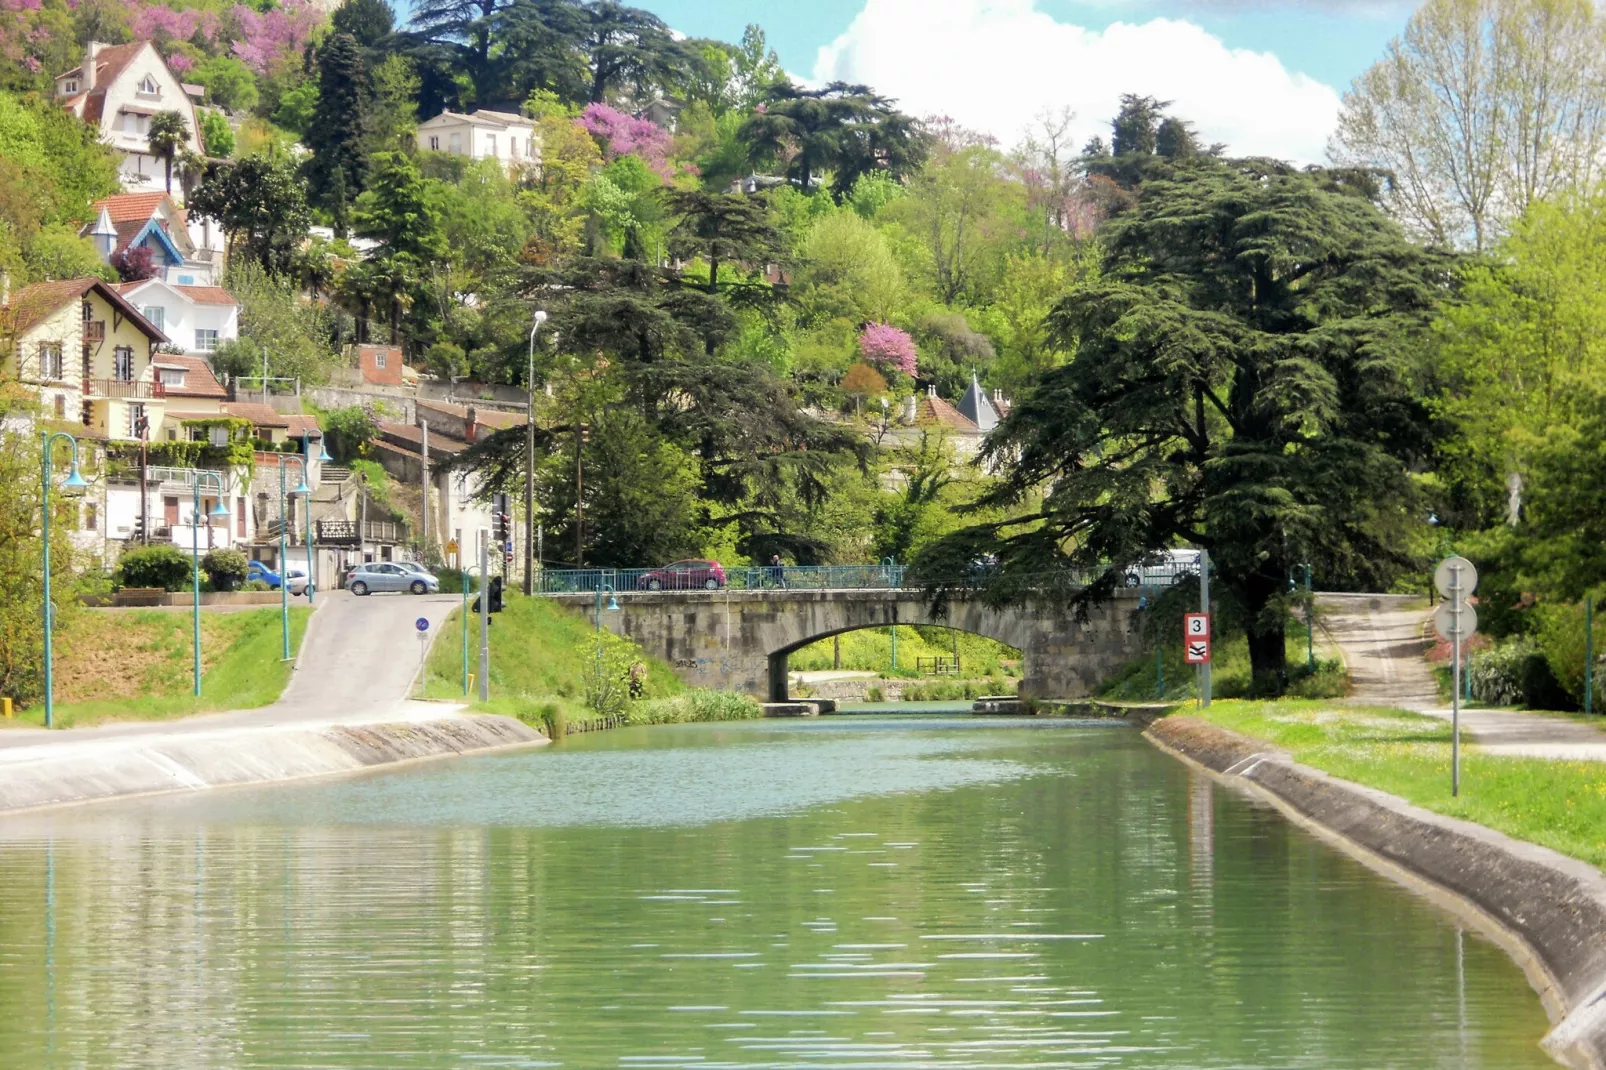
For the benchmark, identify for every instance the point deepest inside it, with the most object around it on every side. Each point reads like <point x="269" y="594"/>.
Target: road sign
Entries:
<point x="422" y="624"/>
<point x="1453" y="625"/>
<point x="1196" y="638"/>
<point x="1454" y="572"/>
<point x="451" y="546"/>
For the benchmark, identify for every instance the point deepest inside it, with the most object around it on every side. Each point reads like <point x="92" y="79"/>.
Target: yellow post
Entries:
<point x="5" y="708"/>
<point x="471" y="681"/>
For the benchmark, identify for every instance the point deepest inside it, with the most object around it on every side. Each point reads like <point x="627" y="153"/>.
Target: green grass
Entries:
<point x="541" y="657"/>
<point x="1138" y="681"/>
<point x="870" y="650"/>
<point x="1557" y="804"/>
<point x="242" y="666"/>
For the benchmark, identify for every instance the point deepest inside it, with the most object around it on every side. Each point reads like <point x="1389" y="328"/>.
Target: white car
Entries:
<point x="296" y="580"/>
<point x="1164" y="569"/>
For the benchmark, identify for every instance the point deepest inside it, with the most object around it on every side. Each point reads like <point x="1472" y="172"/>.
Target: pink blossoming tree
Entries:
<point x="886" y="345"/>
<point x="620" y="134"/>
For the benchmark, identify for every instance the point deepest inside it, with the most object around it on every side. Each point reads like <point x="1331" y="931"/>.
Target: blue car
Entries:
<point x="258" y="571"/>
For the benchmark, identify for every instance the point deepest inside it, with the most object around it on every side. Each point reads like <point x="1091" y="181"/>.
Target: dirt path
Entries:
<point x="1384" y="641"/>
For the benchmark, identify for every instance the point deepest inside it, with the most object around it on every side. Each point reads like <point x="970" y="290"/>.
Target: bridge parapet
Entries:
<point x="740" y="639"/>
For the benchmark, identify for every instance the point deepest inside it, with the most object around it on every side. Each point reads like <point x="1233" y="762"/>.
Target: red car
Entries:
<point x="682" y="575"/>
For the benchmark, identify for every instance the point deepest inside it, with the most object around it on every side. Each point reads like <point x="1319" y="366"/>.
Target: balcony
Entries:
<point x="124" y="389"/>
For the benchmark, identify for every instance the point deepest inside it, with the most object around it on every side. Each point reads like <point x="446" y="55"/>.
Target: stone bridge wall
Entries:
<point x="740" y="640"/>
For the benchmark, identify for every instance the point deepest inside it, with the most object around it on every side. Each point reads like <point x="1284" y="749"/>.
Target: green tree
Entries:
<point x="401" y="209"/>
<point x="1243" y="377"/>
<point x="846" y="128"/>
<point x="641" y="493"/>
<point x="393" y="115"/>
<point x="229" y="83"/>
<point x="367" y="21"/>
<point x="722" y="229"/>
<point x="57" y="252"/>
<point x="261" y="205"/>
<point x="966" y="215"/>
<point x="626" y="47"/>
<point x="274" y="320"/>
<point x="337" y="169"/>
<point x="217" y="136"/>
<point x="848" y="271"/>
<point x="168" y="136"/>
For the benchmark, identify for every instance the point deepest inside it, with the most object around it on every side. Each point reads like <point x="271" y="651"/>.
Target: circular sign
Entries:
<point x="1453" y="573"/>
<point x="422" y="624"/>
<point x="1455" y="621"/>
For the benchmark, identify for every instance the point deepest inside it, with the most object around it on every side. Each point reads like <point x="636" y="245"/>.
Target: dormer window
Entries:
<point x="72" y="85"/>
<point x="148" y="88"/>
<point x="170" y="376"/>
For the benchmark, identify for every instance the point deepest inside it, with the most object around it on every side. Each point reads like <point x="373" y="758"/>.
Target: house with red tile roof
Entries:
<point x="184" y="252"/>
<point x="198" y="319"/>
<point x="117" y="89"/>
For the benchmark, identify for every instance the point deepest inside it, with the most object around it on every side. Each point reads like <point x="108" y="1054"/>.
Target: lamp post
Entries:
<point x="529" y="462"/>
<point x="613" y="607"/>
<point x="284" y="524"/>
<point x="74" y="481"/>
<point x="468" y="571"/>
<point x="323" y="458"/>
<point x="219" y="512"/>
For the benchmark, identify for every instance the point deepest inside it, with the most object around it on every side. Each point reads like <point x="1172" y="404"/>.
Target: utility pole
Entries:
<point x="362" y="522"/>
<point x="529" y="463"/>
<point x="485" y="621"/>
<point x="579" y="497"/>
<point x="423" y="511"/>
<point x="1204" y="607"/>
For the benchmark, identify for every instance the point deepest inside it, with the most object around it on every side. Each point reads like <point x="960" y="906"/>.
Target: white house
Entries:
<point x="483" y="135"/>
<point x="183" y="250"/>
<point x="117" y="89"/>
<point x="197" y="319"/>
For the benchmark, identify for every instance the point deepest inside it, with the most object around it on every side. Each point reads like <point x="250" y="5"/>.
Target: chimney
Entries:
<point x="909" y="404"/>
<point x="86" y="80"/>
<point x="471" y="425"/>
<point x="5" y="288"/>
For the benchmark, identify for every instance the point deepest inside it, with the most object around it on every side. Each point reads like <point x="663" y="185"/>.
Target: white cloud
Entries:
<point x="994" y="65"/>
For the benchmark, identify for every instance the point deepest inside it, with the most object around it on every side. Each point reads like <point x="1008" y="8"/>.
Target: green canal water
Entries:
<point x="898" y="891"/>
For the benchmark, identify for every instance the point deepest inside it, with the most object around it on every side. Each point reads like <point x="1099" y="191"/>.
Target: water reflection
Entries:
<point x="913" y="894"/>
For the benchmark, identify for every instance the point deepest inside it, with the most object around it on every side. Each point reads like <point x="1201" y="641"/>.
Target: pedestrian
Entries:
<point x="638" y="679"/>
<point x="777" y="571"/>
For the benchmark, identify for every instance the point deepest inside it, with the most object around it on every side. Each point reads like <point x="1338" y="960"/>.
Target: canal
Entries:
<point x="922" y="890"/>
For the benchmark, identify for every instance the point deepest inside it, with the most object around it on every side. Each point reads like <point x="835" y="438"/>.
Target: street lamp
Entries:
<point x="613" y="607"/>
<point x="529" y="462"/>
<point x="74" y="481"/>
<point x="284" y="524"/>
<point x="219" y="512"/>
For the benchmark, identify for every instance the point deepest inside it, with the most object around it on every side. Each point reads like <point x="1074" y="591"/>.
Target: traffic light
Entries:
<point x="138" y="534"/>
<point x="504" y="527"/>
<point x="495" y="592"/>
<point x="585" y="433"/>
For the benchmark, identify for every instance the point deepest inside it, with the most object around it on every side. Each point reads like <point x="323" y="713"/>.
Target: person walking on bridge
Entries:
<point x="777" y="571"/>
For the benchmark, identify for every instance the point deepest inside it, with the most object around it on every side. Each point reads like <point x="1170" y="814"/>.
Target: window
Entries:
<point x="72" y="85"/>
<point x="123" y="364"/>
<point x="490" y="141"/>
<point x="50" y="360"/>
<point x="61" y="406"/>
<point x="186" y="280"/>
<point x="239" y="517"/>
<point x="91" y="516"/>
<point x="136" y="421"/>
<point x="205" y="340"/>
<point x="529" y="147"/>
<point x="156" y="314"/>
<point x="455" y="143"/>
<point x="219" y="435"/>
<point x="379" y="358"/>
<point x="513" y="147"/>
<point x="170" y="376"/>
<point x="148" y="88"/>
<point x="435" y="143"/>
<point x="196" y="433"/>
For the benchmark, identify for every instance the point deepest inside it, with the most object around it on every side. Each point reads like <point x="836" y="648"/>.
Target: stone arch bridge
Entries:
<point x="740" y="640"/>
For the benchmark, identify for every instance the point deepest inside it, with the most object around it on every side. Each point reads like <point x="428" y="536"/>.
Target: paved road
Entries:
<point x="1384" y="640"/>
<point x="357" y="663"/>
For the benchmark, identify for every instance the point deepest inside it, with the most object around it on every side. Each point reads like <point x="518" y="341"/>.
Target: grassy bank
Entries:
<point x="870" y="650"/>
<point x="544" y="671"/>
<point x="1560" y="805"/>
<point x="1230" y="678"/>
<point x="135" y="665"/>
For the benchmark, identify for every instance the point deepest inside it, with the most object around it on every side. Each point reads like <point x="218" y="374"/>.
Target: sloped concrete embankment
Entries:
<point x="1547" y="910"/>
<point x="69" y="772"/>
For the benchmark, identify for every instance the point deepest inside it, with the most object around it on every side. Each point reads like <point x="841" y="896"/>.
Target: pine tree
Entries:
<point x="337" y="171"/>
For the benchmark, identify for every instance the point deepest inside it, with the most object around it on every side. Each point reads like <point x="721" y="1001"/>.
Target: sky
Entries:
<point x="1263" y="76"/>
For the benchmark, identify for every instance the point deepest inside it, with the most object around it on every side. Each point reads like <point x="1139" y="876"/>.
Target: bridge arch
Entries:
<point x="741" y="640"/>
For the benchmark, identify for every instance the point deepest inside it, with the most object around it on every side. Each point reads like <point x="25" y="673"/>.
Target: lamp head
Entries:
<point x="323" y="453"/>
<point x="74" y="481"/>
<point x="219" y="511"/>
<point x="540" y="316"/>
<point x="613" y="604"/>
<point x="302" y="488"/>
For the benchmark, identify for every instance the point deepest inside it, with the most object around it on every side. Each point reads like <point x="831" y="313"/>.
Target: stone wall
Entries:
<point x="740" y="640"/>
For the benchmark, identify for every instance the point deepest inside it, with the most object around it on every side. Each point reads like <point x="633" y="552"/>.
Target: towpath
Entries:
<point x="1385" y="639"/>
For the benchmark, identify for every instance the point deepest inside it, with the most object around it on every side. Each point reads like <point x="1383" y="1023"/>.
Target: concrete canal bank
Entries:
<point x="1547" y="910"/>
<point x="57" y="769"/>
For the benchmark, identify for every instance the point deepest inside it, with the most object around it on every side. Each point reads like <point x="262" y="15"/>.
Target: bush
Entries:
<point x="255" y="585"/>
<point x="1560" y="632"/>
<point x="1513" y="674"/>
<point x="696" y="705"/>
<point x="154" y="566"/>
<point x="225" y="568"/>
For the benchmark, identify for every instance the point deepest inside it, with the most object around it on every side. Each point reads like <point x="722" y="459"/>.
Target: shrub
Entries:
<point x="1514" y="673"/>
<point x="696" y="705"/>
<point x="255" y="585"/>
<point x="154" y="566"/>
<point x="1560" y="631"/>
<point x="225" y="568"/>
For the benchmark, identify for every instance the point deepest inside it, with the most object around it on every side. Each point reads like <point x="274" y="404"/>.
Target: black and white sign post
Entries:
<point x="1456" y="621"/>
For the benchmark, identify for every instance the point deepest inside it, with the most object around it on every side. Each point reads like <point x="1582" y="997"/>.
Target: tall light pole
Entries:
<point x="529" y="462"/>
<point x="74" y="481"/>
<point x="284" y="525"/>
<point x="219" y="512"/>
<point x="323" y="458"/>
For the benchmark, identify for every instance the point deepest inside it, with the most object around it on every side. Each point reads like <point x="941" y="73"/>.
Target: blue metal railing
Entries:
<point x="885" y="576"/>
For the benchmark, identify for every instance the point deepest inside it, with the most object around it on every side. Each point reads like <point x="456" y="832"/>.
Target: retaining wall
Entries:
<point x="1547" y="910"/>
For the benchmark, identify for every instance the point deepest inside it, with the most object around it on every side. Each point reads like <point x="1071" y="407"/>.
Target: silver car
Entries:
<point x="389" y="576"/>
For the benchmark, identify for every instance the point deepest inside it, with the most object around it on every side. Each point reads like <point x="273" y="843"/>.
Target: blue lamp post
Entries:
<point x="74" y="481"/>
<point x="284" y="524"/>
<point x="613" y="607"/>
<point x="219" y="512"/>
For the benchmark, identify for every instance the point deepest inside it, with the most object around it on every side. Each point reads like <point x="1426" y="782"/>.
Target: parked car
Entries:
<point x="681" y="575"/>
<point x="256" y="570"/>
<point x="1164" y="569"/>
<point x="389" y="576"/>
